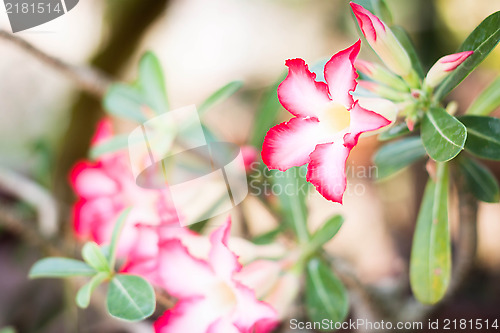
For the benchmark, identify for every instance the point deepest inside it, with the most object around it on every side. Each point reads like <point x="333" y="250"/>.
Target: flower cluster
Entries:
<point x="328" y="120"/>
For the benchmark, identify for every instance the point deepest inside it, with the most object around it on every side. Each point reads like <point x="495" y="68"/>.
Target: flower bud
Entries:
<point x="444" y="66"/>
<point x="383" y="41"/>
<point x="382" y="90"/>
<point x="379" y="73"/>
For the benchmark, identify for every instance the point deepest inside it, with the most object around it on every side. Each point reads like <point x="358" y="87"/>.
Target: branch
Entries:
<point x="86" y="78"/>
<point x="30" y="192"/>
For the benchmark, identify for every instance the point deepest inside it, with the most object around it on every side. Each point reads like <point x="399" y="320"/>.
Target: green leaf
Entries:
<point x="326" y="232"/>
<point x="483" y="136"/>
<point x="60" y="268"/>
<point x="120" y="222"/>
<point x="93" y="256"/>
<point x="130" y="298"/>
<point x="394" y="132"/>
<point x="220" y="95"/>
<point x="268" y="237"/>
<point x="291" y="189"/>
<point x="267" y="114"/>
<point x="442" y="134"/>
<point x="85" y="292"/>
<point x="430" y="265"/>
<point x="152" y="83"/>
<point x="480" y="181"/>
<point x="407" y="44"/>
<point x="487" y="101"/>
<point x="397" y="155"/>
<point x="8" y="329"/>
<point x="482" y="41"/>
<point x="326" y="296"/>
<point x="111" y="145"/>
<point x="125" y="101"/>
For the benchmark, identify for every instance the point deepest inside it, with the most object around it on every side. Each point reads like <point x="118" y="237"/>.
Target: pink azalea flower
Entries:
<point x="211" y="300"/>
<point x="106" y="187"/>
<point x="382" y="40"/>
<point x="444" y="66"/>
<point x="326" y="126"/>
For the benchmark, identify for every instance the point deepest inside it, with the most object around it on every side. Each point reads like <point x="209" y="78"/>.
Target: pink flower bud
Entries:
<point x="383" y="41"/>
<point x="444" y="66"/>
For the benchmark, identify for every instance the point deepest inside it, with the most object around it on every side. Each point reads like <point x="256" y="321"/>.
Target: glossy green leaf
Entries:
<point x="394" y="132"/>
<point x="291" y="188"/>
<point x="120" y="222"/>
<point x="480" y="181"/>
<point x="92" y="254"/>
<point x="111" y="145"/>
<point x="430" y="264"/>
<point x="442" y="134"/>
<point x="487" y="101"/>
<point x="267" y="114"/>
<point x="60" y="268"/>
<point x="407" y="44"/>
<point x="125" y="101"/>
<point x="483" y="136"/>
<point x="152" y="83"/>
<point x="85" y="292"/>
<point x="220" y="95"/>
<point x="395" y="156"/>
<point x="130" y="298"/>
<point x="482" y="41"/>
<point x="326" y="296"/>
<point x="327" y="231"/>
<point x="268" y="237"/>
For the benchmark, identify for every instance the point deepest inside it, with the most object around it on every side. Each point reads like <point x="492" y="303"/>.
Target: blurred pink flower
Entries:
<point x="326" y="126"/>
<point x="104" y="188"/>
<point x="211" y="300"/>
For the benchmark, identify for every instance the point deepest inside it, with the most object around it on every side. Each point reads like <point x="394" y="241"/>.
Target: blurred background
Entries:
<point x="46" y="124"/>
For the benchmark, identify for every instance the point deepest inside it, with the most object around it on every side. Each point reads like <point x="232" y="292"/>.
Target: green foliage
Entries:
<point x="85" y="292"/>
<point x="442" y="134"/>
<point x="125" y="101"/>
<point x="397" y="155"/>
<point x="487" y="101"/>
<point x="60" y="268"/>
<point x="480" y="181"/>
<point x="267" y="114"/>
<point x="93" y="256"/>
<point x="482" y="41"/>
<point x="407" y="44"/>
<point x="130" y="298"/>
<point x="292" y="194"/>
<point x="430" y="264"/>
<point x="326" y="232"/>
<point x="122" y="218"/>
<point x="113" y="144"/>
<point x="220" y="95"/>
<point x="483" y="136"/>
<point x="326" y="296"/>
<point x="394" y="132"/>
<point x="152" y="83"/>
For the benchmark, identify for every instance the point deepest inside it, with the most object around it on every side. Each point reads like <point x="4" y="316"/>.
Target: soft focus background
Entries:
<point x="46" y="125"/>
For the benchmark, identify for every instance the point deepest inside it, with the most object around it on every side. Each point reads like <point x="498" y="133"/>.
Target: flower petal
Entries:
<point x="289" y="144"/>
<point x="223" y="261"/>
<point x="250" y="311"/>
<point x="222" y="326"/>
<point x="341" y="75"/>
<point x="181" y="274"/>
<point x="299" y="93"/>
<point x="193" y="315"/>
<point x="326" y="171"/>
<point x="362" y="120"/>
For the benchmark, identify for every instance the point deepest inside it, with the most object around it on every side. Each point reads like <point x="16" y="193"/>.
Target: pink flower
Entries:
<point x="211" y="300"/>
<point x="444" y="66"/>
<point x="106" y="187"/>
<point x="326" y="126"/>
<point x="250" y="156"/>
<point x="382" y="41"/>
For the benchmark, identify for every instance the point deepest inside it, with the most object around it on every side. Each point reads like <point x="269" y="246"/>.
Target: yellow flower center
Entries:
<point x="222" y="297"/>
<point x="337" y="117"/>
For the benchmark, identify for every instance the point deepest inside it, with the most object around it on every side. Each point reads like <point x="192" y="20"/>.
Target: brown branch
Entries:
<point x="86" y="78"/>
